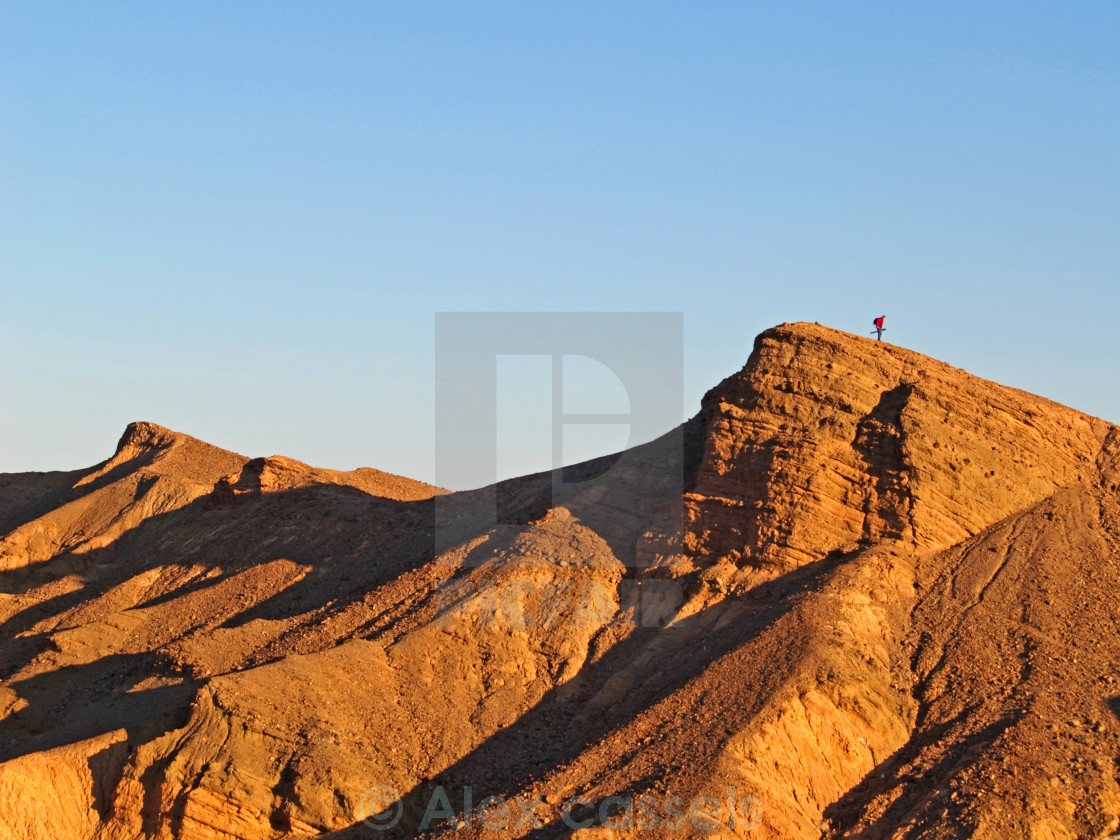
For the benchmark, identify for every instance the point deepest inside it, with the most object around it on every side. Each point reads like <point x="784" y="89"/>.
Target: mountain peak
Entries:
<point x="141" y="435"/>
<point x="826" y="440"/>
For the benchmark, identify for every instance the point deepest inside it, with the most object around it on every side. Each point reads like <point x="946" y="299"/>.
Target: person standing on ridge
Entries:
<point x="879" y="327"/>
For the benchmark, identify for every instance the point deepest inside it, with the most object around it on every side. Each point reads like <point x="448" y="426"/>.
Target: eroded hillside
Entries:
<point x="861" y="594"/>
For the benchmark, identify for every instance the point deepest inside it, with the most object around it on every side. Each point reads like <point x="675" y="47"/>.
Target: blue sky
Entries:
<point x="239" y="219"/>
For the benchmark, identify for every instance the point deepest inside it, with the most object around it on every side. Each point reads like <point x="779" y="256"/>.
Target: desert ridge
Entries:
<point x="861" y="593"/>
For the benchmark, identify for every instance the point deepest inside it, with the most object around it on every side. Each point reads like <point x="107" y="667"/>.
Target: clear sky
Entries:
<point x="239" y="219"/>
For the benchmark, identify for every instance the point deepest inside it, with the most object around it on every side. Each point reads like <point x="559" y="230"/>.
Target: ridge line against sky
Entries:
<point x="239" y="220"/>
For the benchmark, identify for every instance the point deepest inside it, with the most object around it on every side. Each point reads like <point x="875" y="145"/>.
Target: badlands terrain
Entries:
<point x="861" y="594"/>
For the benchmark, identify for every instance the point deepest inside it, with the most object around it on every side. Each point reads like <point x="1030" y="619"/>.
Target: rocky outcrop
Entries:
<point x="63" y="792"/>
<point x="826" y="442"/>
<point x="276" y="474"/>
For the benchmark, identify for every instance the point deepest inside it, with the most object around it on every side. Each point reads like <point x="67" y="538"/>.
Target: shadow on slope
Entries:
<point x="920" y="783"/>
<point x="27" y="496"/>
<point x="94" y="703"/>
<point x="353" y="543"/>
<point x="566" y="723"/>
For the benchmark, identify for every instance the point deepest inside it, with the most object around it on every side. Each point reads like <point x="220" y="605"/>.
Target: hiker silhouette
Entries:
<point x="879" y="328"/>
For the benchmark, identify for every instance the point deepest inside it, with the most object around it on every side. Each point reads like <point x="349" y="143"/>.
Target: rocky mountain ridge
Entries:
<point x="861" y="594"/>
